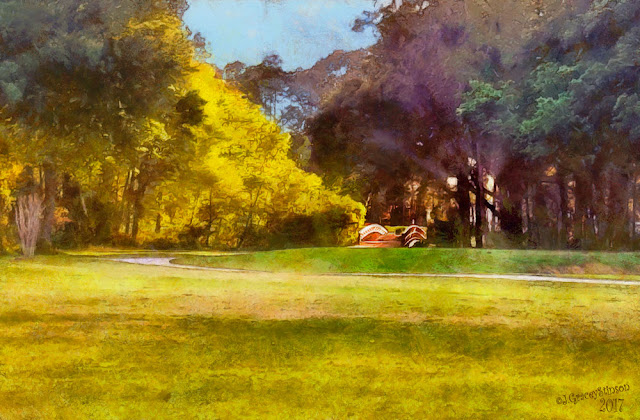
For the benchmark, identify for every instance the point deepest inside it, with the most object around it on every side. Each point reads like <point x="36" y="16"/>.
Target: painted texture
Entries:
<point x="104" y="339"/>
<point x="277" y="129"/>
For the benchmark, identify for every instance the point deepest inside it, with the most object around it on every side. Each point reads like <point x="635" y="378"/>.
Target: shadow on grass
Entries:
<point x="316" y="336"/>
<point x="336" y="367"/>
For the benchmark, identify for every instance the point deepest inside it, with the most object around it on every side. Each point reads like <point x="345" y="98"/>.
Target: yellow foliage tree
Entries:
<point x="244" y="190"/>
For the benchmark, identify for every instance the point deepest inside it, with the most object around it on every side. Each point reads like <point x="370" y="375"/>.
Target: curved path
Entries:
<point x="166" y="262"/>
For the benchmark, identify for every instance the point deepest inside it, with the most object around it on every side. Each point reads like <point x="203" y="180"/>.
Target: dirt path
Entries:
<point x="166" y="262"/>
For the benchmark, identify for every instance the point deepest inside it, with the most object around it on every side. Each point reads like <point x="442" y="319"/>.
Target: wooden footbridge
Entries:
<point x="376" y="236"/>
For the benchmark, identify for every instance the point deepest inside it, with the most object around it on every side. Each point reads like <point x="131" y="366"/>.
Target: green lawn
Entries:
<point x="84" y="338"/>
<point x="421" y="260"/>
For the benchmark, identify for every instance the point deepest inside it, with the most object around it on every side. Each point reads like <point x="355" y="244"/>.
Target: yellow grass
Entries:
<point x="83" y="338"/>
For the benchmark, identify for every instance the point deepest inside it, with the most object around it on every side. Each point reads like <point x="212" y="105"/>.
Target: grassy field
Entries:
<point x="85" y="338"/>
<point x="421" y="260"/>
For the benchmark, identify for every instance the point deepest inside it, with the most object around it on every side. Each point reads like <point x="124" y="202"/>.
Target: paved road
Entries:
<point x="166" y="262"/>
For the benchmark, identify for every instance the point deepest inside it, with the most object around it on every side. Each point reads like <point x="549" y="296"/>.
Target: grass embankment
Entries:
<point x="425" y="260"/>
<point x="97" y="339"/>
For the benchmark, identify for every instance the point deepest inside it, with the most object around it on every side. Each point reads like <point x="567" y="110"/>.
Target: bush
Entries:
<point x="442" y="233"/>
<point x="328" y="228"/>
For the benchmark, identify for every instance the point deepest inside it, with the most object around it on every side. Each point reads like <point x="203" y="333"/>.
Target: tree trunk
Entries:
<point x="564" y="210"/>
<point x="195" y="209"/>
<point x="138" y="212"/>
<point x="464" y="208"/>
<point x="124" y="213"/>
<point x="210" y="221"/>
<point x="28" y="211"/>
<point x="127" y="218"/>
<point x="524" y="212"/>
<point x="582" y="201"/>
<point x="50" y="193"/>
<point x="249" y="222"/>
<point x="497" y="208"/>
<point x="634" y="199"/>
<point x="2" y="249"/>
<point x="158" y="222"/>
<point x="479" y="199"/>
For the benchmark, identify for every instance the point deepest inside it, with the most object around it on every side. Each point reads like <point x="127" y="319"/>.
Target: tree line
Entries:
<point x="496" y="123"/>
<point x="567" y="116"/>
<point x="115" y="131"/>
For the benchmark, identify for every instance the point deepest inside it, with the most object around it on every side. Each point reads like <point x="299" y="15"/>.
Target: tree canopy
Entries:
<point x="108" y="115"/>
<point x="570" y="105"/>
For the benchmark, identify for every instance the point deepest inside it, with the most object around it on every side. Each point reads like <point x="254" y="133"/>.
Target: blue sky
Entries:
<point x="300" y="31"/>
